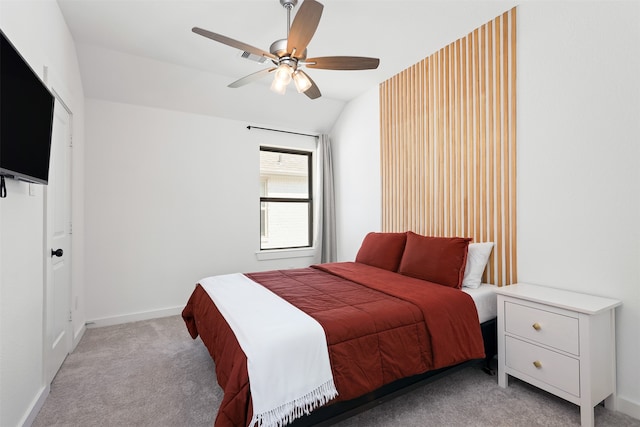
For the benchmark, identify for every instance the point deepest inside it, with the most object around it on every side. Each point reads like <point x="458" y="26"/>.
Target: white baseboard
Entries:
<point x="77" y="337"/>
<point x="628" y="407"/>
<point x="37" y="404"/>
<point x="135" y="317"/>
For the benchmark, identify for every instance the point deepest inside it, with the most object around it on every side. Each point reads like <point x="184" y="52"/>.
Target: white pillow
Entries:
<point x="477" y="258"/>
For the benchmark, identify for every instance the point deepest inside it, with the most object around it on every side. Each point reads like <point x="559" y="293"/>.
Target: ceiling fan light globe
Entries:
<point x="302" y="82"/>
<point x="283" y="74"/>
<point x="279" y="87"/>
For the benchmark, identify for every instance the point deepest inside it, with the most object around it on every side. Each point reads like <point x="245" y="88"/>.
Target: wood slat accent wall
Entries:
<point x="448" y="144"/>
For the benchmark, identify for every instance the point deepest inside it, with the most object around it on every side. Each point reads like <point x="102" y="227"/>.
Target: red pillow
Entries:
<point x="436" y="259"/>
<point x="382" y="250"/>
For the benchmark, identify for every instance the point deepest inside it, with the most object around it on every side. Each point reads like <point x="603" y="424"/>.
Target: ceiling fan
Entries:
<point x="290" y="55"/>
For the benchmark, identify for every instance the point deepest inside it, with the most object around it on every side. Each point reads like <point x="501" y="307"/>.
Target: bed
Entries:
<point x="392" y="318"/>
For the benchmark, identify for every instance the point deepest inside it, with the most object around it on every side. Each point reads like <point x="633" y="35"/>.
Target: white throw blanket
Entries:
<point x="287" y="354"/>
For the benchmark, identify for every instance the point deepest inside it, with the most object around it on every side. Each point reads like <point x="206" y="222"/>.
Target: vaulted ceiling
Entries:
<point x="143" y="52"/>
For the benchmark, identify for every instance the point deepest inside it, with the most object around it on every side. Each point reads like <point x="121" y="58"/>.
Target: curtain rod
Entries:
<point x="283" y="131"/>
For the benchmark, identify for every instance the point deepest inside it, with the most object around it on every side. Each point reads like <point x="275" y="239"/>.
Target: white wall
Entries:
<point x="356" y="161"/>
<point x="39" y="32"/>
<point x="171" y="198"/>
<point x="578" y="162"/>
<point x="21" y="302"/>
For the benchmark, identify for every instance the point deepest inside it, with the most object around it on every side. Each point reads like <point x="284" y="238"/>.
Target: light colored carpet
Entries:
<point x="152" y="373"/>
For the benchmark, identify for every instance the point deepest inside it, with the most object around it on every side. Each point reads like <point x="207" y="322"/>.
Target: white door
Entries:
<point x="58" y="338"/>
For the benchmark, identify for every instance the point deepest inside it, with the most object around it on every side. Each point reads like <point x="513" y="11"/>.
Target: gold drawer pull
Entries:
<point x="537" y="326"/>
<point x="537" y="364"/>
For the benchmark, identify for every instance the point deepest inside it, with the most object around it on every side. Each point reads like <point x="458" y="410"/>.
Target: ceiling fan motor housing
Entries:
<point x="279" y="49"/>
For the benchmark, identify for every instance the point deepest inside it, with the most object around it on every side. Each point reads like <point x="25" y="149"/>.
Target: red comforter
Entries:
<point x="380" y="326"/>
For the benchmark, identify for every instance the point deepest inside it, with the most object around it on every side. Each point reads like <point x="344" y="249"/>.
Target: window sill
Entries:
<point x="285" y="253"/>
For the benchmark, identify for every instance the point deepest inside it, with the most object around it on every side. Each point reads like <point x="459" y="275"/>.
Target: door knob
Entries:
<point x="57" y="252"/>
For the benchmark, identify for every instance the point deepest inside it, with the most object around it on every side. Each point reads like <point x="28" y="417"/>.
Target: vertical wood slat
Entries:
<point x="457" y="143"/>
<point x="493" y="137"/>
<point x="448" y="144"/>
<point x="466" y="126"/>
<point x="512" y="147"/>
<point x="431" y="141"/>
<point x="476" y="141"/>
<point x="498" y="126"/>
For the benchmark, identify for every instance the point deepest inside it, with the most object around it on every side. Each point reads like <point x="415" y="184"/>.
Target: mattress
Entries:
<point x="486" y="301"/>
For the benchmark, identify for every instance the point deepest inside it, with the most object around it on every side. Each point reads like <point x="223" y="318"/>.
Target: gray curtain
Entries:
<point x="327" y="210"/>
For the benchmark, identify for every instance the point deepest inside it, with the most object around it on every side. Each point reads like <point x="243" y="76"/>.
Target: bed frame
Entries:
<point x="331" y="414"/>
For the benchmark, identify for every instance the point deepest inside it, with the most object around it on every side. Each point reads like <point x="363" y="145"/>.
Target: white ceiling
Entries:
<point x="143" y="51"/>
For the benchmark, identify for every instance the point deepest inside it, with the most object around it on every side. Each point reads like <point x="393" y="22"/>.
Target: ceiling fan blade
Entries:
<point x="343" y="63"/>
<point x="251" y="78"/>
<point x="304" y="26"/>
<point x="313" y="92"/>
<point x="233" y="43"/>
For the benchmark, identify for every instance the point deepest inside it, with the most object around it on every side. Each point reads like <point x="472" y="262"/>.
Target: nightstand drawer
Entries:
<point x="552" y="368"/>
<point x="544" y="327"/>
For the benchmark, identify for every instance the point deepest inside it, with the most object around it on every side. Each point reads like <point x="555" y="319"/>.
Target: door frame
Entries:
<point x="48" y="276"/>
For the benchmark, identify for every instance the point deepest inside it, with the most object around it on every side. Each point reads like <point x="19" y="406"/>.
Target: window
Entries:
<point x="286" y="202"/>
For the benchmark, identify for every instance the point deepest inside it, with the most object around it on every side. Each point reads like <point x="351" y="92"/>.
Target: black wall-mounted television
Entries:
<point x="26" y="118"/>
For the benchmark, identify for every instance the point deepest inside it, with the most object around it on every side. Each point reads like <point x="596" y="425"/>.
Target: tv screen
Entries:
<point x="26" y="118"/>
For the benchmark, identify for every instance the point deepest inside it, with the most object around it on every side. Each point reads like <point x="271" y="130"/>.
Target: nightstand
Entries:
<point x="560" y="341"/>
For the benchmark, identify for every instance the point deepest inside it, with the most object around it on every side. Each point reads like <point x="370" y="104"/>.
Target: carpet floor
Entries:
<point x="151" y="373"/>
